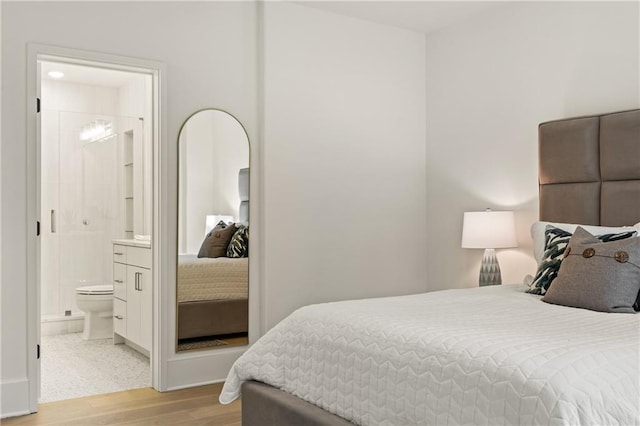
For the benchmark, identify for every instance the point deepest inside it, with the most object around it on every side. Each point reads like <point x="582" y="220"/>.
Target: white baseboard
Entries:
<point x="193" y="385"/>
<point x="14" y="397"/>
<point x="190" y="369"/>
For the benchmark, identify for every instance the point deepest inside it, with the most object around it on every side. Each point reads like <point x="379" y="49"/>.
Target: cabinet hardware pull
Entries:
<point x="115" y="253"/>
<point x="118" y="317"/>
<point x="53" y="221"/>
<point x="138" y="283"/>
<point x="118" y="281"/>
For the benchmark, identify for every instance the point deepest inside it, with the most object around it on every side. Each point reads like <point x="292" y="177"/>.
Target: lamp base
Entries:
<point x="489" y="269"/>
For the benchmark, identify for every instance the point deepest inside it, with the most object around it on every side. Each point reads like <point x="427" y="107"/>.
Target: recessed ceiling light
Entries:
<point x="55" y="74"/>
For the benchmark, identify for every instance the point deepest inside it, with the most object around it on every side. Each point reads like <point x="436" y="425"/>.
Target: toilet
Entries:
<point x="96" y="301"/>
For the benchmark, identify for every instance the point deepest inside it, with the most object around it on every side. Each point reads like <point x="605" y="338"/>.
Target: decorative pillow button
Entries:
<point x="621" y="256"/>
<point x="588" y="252"/>
<point x="217" y="235"/>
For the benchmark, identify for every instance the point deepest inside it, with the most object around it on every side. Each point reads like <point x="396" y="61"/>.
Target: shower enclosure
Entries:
<point x="89" y="196"/>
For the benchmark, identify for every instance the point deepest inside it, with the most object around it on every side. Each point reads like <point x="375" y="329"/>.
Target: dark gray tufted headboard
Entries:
<point x="589" y="169"/>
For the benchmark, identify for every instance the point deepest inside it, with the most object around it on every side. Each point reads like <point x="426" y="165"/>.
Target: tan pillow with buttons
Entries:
<point x="598" y="276"/>
<point x="216" y="242"/>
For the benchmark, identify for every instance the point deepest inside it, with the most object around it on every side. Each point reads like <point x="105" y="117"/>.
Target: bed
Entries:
<point x="212" y="296"/>
<point x="490" y="355"/>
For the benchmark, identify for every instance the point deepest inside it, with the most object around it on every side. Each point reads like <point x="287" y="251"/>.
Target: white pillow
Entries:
<point x="538" y="228"/>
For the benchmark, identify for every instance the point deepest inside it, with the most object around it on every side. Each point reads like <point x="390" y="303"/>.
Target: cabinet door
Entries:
<point x="133" y="304"/>
<point x="139" y="306"/>
<point x="146" y="308"/>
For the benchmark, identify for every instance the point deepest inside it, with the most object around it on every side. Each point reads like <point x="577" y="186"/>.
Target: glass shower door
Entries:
<point x="83" y="203"/>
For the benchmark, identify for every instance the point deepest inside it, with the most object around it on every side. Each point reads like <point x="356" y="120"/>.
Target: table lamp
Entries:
<point x="489" y="230"/>
<point x="213" y="219"/>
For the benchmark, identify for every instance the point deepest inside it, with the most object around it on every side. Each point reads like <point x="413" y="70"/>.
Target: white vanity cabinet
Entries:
<point x="133" y="294"/>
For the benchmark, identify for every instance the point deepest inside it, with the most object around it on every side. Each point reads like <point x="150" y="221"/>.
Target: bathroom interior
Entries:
<point x="96" y="219"/>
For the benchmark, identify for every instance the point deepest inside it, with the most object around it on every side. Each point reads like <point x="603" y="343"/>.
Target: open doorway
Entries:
<point x="95" y="191"/>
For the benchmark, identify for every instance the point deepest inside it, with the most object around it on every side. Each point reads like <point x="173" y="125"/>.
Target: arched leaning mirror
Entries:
<point x="213" y="232"/>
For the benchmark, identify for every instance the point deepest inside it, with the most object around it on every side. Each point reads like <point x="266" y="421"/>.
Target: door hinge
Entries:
<point x="37" y="228"/>
<point x="38" y="351"/>
<point x="37" y="104"/>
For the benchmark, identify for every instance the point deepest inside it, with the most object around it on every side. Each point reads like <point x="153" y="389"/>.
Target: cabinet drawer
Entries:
<point x="119" y="253"/>
<point x="139" y="256"/>
<point x="120" y="281"/>
<point x="120" y="317"/>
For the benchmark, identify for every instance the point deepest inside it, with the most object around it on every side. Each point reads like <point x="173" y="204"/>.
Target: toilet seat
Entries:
<point x="103" y="289"/>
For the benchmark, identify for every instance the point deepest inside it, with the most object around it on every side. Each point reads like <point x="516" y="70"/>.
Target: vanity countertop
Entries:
<point x="135" y="243"/>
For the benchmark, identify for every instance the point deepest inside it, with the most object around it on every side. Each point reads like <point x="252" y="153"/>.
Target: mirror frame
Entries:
<point x="177" y="235"/>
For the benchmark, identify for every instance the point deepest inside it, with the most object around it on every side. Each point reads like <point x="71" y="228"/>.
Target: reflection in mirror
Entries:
<point x="213" y="232"/>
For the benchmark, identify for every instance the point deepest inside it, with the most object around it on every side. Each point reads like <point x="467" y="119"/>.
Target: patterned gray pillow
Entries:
<point x="599" y="276"/>
<point x="239" y="244"/>
<point x="556" y="241"/>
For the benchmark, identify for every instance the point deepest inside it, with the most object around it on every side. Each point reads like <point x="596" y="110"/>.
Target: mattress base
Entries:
<point x="212" y="318"/>
<point x="265" y="405"/>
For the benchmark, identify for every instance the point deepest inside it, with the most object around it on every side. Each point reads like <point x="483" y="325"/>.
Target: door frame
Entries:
<point x="157" y="71"/>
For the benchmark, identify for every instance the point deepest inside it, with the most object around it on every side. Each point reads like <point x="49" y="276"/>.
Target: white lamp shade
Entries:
<point x="489" y="229"/>
<point x="212" y="221"/>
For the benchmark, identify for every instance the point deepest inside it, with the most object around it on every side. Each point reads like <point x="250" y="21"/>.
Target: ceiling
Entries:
<point x="424" y="16"/>
<point x="88" y="75"/>
<point x="421" y="16"/>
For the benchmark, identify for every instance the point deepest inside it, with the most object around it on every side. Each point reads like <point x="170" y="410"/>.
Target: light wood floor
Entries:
<point x="143" y="407"/>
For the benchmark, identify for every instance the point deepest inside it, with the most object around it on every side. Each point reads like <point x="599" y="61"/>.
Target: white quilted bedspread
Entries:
<point x="483" y="356"/>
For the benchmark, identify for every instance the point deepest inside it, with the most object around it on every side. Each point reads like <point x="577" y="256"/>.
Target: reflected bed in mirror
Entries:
<point x="213" y="232"/>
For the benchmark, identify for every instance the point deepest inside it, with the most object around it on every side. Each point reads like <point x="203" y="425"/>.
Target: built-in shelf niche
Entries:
<point x="128" y="184"/>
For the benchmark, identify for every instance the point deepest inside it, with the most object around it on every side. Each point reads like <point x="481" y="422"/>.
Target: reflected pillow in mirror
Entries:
<point x="239" y="244"/>
<point x="216" y="242"/>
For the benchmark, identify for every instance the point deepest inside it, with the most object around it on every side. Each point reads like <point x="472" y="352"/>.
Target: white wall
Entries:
<point x="196" y="179"/>
<point x="344" y="159"/>
<point x="490" y="81"/>
<point x="231" y="154"/>
<point x="60" y="95"/>
<point x="209" y="49"/>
